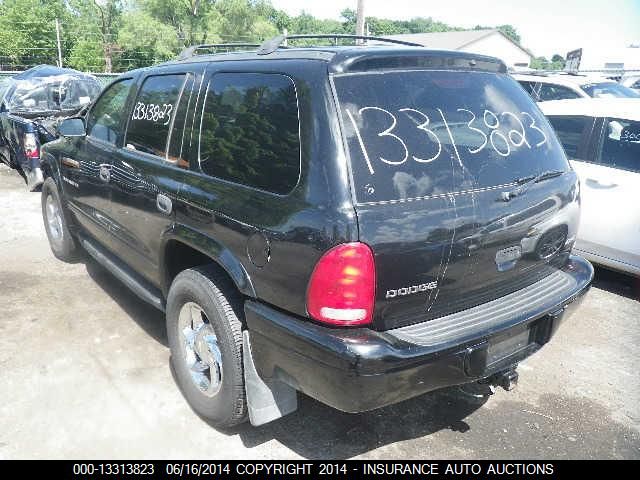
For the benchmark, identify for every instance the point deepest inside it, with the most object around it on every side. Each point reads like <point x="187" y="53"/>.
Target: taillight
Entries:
<point x="31" y="149"/>
<point x="342" y="287"/>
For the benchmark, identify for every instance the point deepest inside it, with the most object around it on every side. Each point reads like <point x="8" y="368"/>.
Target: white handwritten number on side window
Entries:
<point x="500" y="142"/>
<point x="152" y="112"/>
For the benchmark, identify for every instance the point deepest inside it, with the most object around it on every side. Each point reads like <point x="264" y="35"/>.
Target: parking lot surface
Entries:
<point x="84" y="373"/>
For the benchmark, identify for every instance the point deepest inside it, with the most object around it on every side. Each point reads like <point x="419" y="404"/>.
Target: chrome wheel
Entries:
<point x="200" y="348"/>
<point x="54" y="220"/>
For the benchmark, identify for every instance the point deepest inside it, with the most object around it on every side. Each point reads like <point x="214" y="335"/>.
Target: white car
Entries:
<point x="566" y="86"/>
<point x="631" y="81"/>
<point x="602" y="140"/>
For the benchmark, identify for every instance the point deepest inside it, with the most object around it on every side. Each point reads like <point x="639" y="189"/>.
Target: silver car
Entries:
<point x="602" y="140"/>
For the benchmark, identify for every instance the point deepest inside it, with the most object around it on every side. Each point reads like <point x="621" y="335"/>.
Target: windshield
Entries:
<point x="416" y="134"/>
<point x="609" y="89"/>
<point x="51" y="94"/>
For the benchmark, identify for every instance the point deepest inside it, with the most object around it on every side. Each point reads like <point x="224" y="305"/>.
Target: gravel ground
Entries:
<point x="84" y="374"/>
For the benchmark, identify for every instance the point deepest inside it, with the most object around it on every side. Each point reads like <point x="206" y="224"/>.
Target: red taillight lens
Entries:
<point x="31" y="149"/>
<point x="342" y="287"/>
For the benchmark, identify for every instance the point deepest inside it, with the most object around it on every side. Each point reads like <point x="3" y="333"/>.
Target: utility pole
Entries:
<point x="58" y="42"/>
<point x="360" y="20"/>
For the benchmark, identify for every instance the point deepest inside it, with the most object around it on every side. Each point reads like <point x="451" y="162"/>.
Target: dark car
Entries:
<point x="362" y="224"/>
<point x="31" y="105"/>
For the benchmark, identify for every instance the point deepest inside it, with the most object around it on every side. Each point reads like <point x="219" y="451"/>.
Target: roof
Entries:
<point x="453" y="40"/>
<point x="625" y="108"/>
<point x="359" y="58"/>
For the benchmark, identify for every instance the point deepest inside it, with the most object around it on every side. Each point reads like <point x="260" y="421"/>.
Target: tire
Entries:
<point x="62" y="243"/>
<point x="205" y="338"/>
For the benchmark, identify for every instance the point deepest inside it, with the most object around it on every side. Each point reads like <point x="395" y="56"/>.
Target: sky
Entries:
<point x="546" y="26"/>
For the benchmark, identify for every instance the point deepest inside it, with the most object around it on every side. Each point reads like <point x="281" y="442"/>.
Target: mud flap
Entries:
<point x="35" y="179"/>
<point x="266" y="400"/>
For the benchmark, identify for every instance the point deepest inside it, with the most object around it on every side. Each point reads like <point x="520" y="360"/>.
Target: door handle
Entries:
<point x="105" y="173"/>
<point x="164" y="204"/>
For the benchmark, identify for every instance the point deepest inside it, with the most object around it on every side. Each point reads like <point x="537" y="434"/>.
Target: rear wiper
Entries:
<point x="524" y="183"/>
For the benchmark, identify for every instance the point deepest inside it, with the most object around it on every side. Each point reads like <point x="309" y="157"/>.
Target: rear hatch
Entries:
<point x="461" y="188"/>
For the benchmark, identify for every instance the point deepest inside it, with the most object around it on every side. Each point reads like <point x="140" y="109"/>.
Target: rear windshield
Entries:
<point x="610" y="90"/>
<point x="416" y="134"/>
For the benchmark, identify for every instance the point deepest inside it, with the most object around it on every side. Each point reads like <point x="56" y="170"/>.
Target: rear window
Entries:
<point x="609" y="90"/>
<point x="418" y="134"/>
<point x="621" y="145"/>
<point x="250" y="131"/>
<point x="555" y="92"/>
<point x="570" y="131"/>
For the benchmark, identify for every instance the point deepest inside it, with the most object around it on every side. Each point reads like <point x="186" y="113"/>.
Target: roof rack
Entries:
<point x="191" y="51"/>
<point x="271" y="45"/>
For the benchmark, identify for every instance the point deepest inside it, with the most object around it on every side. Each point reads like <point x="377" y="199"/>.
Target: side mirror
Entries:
<point x="72" y="127"/>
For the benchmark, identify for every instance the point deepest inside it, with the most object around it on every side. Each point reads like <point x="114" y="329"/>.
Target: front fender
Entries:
<point x="210" y="248"/>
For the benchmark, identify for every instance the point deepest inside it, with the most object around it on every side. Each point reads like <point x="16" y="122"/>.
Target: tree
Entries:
<point x="93" y="27"/>
<point x="540" y="63"/>
<point x="192" y="21"/>
<point x="116" y="35"/>
<point x="145" y="40"/>
<point x="511" y="32"/>
<point x="109" y="12"/>
<point x="557" y="62"/>
<point x="28" y="32"/>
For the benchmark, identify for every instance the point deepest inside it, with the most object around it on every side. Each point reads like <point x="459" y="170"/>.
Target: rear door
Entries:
<point x="610" y="225"/>
<point x="439" y="163"/>
<point x="148" y="172"/>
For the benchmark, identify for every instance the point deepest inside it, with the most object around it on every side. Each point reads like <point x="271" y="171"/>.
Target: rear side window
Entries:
<point x="416" y="134"/>
<point x="530" y="88"/>
<point x="621" y="144"/>
<point x="153" y="112"/>
<point x="570" y="131"/>
<point x="250" y="131"/>
<point x="555" y="92"/>
<point x="104" y="121"/>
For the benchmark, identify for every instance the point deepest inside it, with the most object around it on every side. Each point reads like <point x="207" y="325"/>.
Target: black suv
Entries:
<point x="363" y="224"/>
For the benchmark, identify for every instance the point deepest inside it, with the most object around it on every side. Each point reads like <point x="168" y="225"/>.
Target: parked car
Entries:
<point x="565" y="86"/>
<point x="31" y="105"/>
<point x="362" y="224"/>
<point x="631" y="81"/>
<point x="602" y="140"/>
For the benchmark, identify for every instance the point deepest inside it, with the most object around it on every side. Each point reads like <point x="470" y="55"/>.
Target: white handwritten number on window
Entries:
<point x="423" y="126"/>
<point x="500" y="142"/>
<point x="152" y="112"/>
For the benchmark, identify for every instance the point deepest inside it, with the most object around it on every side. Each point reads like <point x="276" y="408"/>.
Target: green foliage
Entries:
<point x="86" y="55"/>
<point x="541" y="63"/>
<point x="124" y="34"/>
<point x="28" y="32"/>
<point x="558" y="60"/>
<point x="146" y="40"/>
<point x="509" y="30"/>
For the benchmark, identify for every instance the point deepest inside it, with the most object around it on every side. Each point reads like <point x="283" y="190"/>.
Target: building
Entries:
<point x="486" y="42"/>
<point x="610" y="58"/>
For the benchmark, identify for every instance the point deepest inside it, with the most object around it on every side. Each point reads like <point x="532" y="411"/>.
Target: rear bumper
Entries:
<point x="356" y="370"/>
